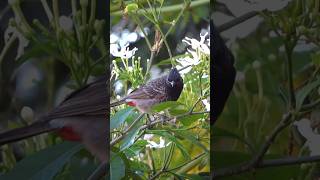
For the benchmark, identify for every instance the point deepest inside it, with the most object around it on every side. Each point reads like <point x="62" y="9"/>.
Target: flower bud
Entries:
<point x="240" y="76"/>
<point x="131" y="8"/>
<point x="256" y="64"/>
<point x="26" y="113"/>
<point x="272" y="57"/>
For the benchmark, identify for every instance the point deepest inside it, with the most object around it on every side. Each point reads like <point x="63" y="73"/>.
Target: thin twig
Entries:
<point x="99" y="172"/>
<point x="256" y="160"/>
<point x="289" y="51"/>
<point x="269" y="163"/>
<point x="237" y="21"/>
<point x="152" y="55"/>
<point x="289" y="161"/>
<point x="119" y="138"/>
<point x="167" y="9"/>
<point x="195" y="104"/>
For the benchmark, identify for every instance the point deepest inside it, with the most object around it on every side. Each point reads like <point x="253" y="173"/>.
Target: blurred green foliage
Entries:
<point x="273" y="77"/>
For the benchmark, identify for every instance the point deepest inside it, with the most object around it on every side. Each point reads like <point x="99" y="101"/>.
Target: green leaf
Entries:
<point x="139" y="167"/>
<point x="189" y="119"/>
<point x="129" y="139"/>
<point x="189" y="136"/>
<point x="44" y="164"/>
<point x="165" y="105"/>
<point x="117" y="167"/>
<point x="218" y="132"/>
<point x="172" y="138"/>
<point x="120" y="117"/>
<point x="178" y="110"/>
<point x="79" y="170"/>
<point x="195" y="177"/>
<point x="130" y="8"/>
<point x="303" y="93"/>
<point x="135" y="148"/>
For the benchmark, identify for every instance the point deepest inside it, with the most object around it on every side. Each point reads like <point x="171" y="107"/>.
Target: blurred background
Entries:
<point x="37" y="72"/>
<point x="272" y="34"/>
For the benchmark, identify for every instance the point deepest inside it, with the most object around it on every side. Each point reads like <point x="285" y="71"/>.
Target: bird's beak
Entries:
<point x="172" y="83"/>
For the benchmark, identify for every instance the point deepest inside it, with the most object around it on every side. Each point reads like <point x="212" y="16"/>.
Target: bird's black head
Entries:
<point x="174" y="84"/>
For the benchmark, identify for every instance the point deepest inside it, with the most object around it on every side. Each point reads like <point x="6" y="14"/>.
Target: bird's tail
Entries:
<point x="117" y="103"/>
<point x="25" y="132"/>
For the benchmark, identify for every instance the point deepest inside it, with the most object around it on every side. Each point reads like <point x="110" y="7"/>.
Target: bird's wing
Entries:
<point x="223" y="72"/>
<point x="152" y="89"/>
<point x="90" y="100"/>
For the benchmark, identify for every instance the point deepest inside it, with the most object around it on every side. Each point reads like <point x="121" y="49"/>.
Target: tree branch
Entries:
<point x="124" y="134"/>
<point x="237" y="21"/>
<point x="257" y="159"/>
<point x="119" y="138"/>
<point x="268" y="163"/>
<point x="289" y="161"/>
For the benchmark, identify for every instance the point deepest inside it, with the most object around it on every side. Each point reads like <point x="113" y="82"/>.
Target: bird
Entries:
<point x="162" y="89"/>
<point x="82" y="116"/>
<point x="223" y="73"/>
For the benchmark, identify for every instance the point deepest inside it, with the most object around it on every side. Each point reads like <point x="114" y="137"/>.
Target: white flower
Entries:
<point x="113" y="38"/>
<point x="256" y="64"/>
<point x="205" y="76"/>
<point x="197" y="49"/>
<point x="148" y="137"/>
<point x="127" y="37"/>
<point x="23" y="42"/>
<point x="118" y="86"/>
<point x="198" y="45"/>
<point x="130" y="68"/>
<point x="26" y="113"/>
<point x="153" y="144"/>
<point x="66" y="23"/>
<point x="313" y="139"/>
<point x="207" y="104"/>
<point x="240" y="76"/>
<point x="124" y="52"/>
<point x="187" y="61"/>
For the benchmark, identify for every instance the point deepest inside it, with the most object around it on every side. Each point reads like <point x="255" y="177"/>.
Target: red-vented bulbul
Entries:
<point x="165" y="88"/>
<point x="223" y="73"/>
<point x="82" y="116"/>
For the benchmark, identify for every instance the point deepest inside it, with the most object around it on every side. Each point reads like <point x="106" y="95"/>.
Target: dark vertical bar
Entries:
<point x="222" y="76"/>
<point x="108" y="72"/>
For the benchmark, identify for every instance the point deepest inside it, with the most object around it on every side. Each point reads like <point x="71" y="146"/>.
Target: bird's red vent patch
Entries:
<point x="131" y="103"/>
<point x="68" y="133"/>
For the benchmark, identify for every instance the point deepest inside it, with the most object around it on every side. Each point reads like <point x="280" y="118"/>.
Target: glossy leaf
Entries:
<point x="120" y="117"/>
<point x="45" y="164"/>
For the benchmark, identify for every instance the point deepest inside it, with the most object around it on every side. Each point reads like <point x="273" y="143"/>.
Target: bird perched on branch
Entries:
<point x="82" y="116"/>
<point x="165" y="88"/>
<point x="223" y="73"/>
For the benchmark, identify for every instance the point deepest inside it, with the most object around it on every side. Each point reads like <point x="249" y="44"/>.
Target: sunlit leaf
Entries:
<point x="189" y="119"/>
<point x="189" y="136"/>
<point x="120" y="117"/>
<point x="130" y="137"/>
